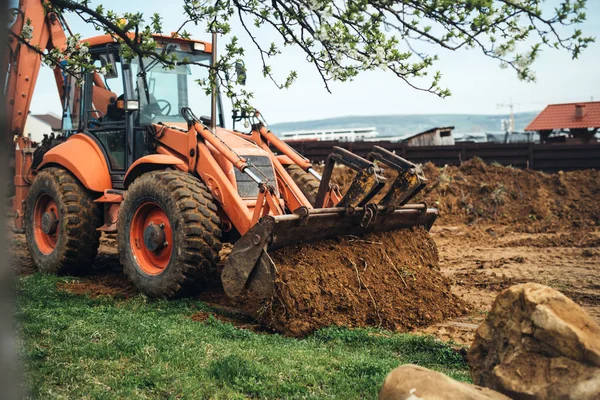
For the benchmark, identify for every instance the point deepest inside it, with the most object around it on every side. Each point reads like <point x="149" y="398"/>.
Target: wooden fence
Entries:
<point x="543" y="157"/>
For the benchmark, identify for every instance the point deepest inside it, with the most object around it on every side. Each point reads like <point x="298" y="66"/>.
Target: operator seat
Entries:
<point x="115" y="110"/>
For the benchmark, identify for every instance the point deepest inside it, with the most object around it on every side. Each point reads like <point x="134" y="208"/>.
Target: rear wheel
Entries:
<point x="307" y="183"/>
<point x="61" y="219"/>
<point x="168" y="234"/>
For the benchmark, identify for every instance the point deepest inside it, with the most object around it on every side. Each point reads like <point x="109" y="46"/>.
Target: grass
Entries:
<point x="77" y="347"/>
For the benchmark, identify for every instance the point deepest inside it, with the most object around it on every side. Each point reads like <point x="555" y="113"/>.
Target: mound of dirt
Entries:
<point x="526" y="200"/>
<point x="389" y="280"/>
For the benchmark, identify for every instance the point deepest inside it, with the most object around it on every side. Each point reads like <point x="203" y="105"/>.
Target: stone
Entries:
<point x="536" y="343"/>
<point x="411" y="382"/>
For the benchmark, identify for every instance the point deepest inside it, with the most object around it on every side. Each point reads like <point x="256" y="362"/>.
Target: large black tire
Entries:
<point x="308" y="184"/>
<point x="190" y="251"/>
<point x="75" y="239"/>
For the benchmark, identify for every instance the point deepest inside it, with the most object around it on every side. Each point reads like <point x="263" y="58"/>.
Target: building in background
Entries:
<point x="511" y="137"/>
<point x="439" y="136"/>
<point x="39" y="125"/>
<point x="469" y="137"/>
<point x="341" y="134"/>
<point x="570" y="122"/>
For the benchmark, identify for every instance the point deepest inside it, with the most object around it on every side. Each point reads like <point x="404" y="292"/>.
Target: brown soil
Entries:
<point x="110" y="283"/>
<point x="233" y="316"/>
<point x="483" y="262"/>
<point x="524" y="200"/>
<point x="528" y="201"/>
<point x="500" y="226"/>
<point x="20" y="254"/>
<point x="389" y="280"/>
<point x="103" y="279"/>
<point x="562" y="240"/>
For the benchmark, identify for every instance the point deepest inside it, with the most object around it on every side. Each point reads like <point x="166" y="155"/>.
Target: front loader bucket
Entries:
<point x="249" y="267"/>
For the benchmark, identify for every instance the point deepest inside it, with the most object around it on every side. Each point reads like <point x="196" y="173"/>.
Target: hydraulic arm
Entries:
<point x="34" y="31"/>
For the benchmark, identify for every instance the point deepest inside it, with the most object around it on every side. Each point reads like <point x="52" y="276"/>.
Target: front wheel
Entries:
<point x="61" y="221"/>
<point x="307" y="183"/>
<point x="168" y="234"/>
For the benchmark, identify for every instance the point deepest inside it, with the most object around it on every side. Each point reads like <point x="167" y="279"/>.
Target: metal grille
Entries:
<point x="261" y="166"/>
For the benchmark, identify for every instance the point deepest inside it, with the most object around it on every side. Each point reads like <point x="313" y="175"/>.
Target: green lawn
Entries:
<point x="77" y="347"/>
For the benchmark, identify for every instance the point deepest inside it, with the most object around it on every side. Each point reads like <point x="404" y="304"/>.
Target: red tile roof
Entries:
<point x="562" y="116"/>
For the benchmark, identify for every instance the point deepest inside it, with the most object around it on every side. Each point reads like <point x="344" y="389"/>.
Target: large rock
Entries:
<point x="411" y="382"/>
<point x="537" y="344"/>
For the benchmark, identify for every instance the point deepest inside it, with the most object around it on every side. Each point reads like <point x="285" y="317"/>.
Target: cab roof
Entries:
<point x="106" y="39"/>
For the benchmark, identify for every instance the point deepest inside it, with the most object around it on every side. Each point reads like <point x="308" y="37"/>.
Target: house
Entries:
<point x="577" y="122"/>
<point x="440" y="136"/>
<point x="38" y="125"/>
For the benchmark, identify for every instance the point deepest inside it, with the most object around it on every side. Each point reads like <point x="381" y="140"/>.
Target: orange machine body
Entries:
<point x="219" y="155"/>
<point x="218" y="158"/>
<point x="84" y="159"/>
<point x="115" y="139"/>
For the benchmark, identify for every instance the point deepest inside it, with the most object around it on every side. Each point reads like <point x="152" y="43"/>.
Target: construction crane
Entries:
<point x="511" y="122"/>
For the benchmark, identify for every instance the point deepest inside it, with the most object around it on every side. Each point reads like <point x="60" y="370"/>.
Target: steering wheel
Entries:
<point x="164" y="110"/>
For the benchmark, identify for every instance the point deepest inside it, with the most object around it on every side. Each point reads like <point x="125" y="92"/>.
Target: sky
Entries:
<point x="478" y="84"/>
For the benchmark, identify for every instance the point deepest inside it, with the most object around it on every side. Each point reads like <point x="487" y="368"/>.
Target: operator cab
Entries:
<point x="120" y="107"/>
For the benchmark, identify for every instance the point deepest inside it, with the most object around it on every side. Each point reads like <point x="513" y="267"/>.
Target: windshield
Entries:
<point x="171" y="89"/>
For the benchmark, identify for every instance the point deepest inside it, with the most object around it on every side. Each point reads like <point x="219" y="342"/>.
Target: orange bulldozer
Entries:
<point x="136" y="160"/>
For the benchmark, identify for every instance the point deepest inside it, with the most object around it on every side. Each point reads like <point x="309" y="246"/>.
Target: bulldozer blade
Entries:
<point x="250" y="268"/>
<point x="248" y="265"/>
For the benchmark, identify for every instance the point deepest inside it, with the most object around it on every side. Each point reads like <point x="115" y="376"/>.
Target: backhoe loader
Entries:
<point x="174" y="187"/>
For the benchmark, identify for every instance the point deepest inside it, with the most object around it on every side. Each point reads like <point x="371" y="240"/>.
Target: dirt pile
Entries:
<point x="528" y="201"/>
<point x="388" y="280"/>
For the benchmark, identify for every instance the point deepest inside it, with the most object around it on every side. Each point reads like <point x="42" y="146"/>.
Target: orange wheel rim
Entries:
<point x="151" y="238"/>
<point x="46" y="227"/>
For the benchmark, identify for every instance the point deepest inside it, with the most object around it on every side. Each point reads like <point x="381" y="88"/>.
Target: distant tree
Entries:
<point x="344" y="38"/>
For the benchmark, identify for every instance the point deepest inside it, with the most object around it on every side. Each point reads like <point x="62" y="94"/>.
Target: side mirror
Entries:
<point x="240" y="71"/>
<point x="109" y="61"/>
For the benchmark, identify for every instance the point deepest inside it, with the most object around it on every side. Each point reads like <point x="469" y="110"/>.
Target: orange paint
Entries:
<point x="290" y="191"/>
<point x="221" y="147"/>
<point x="106" y="39"/>
<point x="211" y="173"/>
<point x="45" y="241"/>
<point x="23" y="177"/>
<point x="141" y="165"/>
<point x="151" y="216"/>
<point x="284" y="148"/>
<point x="81" y="156"/>
<point x="284" y="160"/>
